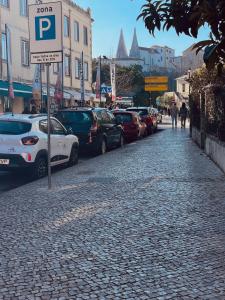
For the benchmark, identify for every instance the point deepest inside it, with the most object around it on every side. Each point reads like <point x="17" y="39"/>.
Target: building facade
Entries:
<point x="157" y="58"/>
<point x="77" y="37"/>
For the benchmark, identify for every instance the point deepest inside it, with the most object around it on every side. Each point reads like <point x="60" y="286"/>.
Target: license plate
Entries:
<point x="4" y="161"/>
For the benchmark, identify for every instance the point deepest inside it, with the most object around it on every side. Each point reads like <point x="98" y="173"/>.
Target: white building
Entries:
<point x="155" y="58"/>
<point x="77" y="37"/>
<point x="183" y="88"/>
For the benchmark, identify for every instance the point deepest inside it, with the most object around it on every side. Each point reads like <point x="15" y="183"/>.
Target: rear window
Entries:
<point x="141" y="112"/>
<point x="123" y="118"/>
<point x="75" y="117"/>
<point x="14" y="127"/>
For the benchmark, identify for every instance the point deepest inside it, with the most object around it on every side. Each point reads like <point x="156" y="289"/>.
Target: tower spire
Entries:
<point x="134" y="51"/>
<point x="121" y="50"/>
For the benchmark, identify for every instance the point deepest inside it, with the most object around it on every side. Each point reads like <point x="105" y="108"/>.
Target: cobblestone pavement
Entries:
<point x="143" y="222"/>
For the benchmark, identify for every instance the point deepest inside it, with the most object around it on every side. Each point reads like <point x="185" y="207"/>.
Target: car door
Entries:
<point x="60" y="147"/>
<point x="116" y="129"/>
<point x="108" y="128"/>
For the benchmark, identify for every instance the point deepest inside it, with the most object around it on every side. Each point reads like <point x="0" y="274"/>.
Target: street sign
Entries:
<point x="156" y="88"/>
<point x="45" y="27"/>
<point x="156" y="79"/>
<point x="106" y="89"/>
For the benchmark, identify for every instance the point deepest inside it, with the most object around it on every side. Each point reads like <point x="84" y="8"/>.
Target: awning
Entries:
<point x="20" y="89"/>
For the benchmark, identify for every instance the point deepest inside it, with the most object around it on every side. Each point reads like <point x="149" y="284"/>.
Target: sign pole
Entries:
<point x="49" y="128"/>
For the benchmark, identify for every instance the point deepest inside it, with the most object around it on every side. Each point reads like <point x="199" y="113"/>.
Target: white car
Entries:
<point x="23" y="143"/>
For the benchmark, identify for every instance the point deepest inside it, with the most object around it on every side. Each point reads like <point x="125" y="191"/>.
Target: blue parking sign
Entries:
<point x="45" y="28"/>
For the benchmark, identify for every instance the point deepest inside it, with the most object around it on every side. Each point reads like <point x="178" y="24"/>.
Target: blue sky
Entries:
<point x="112" y="15"/>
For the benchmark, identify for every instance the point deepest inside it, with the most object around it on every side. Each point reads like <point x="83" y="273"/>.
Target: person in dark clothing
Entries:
<point x="33" y="110"/>
<point x="183" y="115"/>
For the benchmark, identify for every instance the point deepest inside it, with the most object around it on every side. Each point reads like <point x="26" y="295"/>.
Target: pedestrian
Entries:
<point x="33" y="110"/>
<point x="174" y="114"/>
<point x="183" y="115"/>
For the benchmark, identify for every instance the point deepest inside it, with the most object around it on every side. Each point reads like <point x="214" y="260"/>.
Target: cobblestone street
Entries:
<point x="143" y="222"/>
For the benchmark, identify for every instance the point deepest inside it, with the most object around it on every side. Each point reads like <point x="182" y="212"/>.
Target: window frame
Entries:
<point x="66" y="33"/>
<point x="77" y="64"/>
<point x="24" y="41"/>
<point x="3" y="34"/>
<point x="85" y="35"/>
<point x="3" y="5"/>
<point x="76" y="28"/>
<point x="24" y="5"/>
<point x="69" y="65"/>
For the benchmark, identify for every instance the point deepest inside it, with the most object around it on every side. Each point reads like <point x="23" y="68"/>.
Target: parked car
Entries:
<point x="158" y="115"/>
<point x="23" y="144"/>
<point x="133" y="127"/>
<point x="147" y="116"/>
<point x="96" y="128"/>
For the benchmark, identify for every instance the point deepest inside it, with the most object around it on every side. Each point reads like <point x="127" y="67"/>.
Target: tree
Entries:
<point x="187" y="17"/>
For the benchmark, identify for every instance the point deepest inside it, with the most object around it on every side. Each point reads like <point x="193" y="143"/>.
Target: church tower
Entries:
<point x="121" y="50"/>
<point x="134" y="51"/>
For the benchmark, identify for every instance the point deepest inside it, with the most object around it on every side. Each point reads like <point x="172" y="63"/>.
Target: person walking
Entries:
<point x="174" y="114"/>
<point x="183" y="115"/>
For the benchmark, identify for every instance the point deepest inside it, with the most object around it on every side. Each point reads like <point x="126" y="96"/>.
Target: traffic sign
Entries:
<point x="106" y="89"/>
<point x="156" y="88"/>
<point x="156" y="79"/>
<point x="45" y="26"/>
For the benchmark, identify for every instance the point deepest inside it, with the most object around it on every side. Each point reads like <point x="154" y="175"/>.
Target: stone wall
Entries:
<point x="215" y="149"/>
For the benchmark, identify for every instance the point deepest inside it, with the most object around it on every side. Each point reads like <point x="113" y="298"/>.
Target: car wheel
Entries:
<point x="40" y="168"/>
<point x="73" y="156"/>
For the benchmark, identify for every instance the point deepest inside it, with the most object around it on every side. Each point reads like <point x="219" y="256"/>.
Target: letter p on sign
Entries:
<point x="45" y="28"/>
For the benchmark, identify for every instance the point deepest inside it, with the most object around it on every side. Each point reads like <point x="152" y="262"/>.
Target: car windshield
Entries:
<point x="123" y="118"/>
<point x="75" y="117"/>
<point x="14" y="127"/>
<point x="141" y="112"/>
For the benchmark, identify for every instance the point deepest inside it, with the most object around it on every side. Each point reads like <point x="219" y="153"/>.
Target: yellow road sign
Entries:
<point x="156" y="79"/>
<point x="156" y="88"/>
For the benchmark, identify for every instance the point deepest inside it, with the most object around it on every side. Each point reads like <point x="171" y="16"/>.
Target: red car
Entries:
<point x="148" y="116"/>
<point x="133" y="127"/>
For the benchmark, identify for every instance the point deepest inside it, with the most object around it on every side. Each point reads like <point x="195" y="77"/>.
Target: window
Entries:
<point x="25" y="53"/>
<point x="23" y="8"/>
<point x="85" y="36"/>
<point x="76" y="31"/>
<point x="42" y="67"/>
<point x="85" y="71"/>
<point x="4" y="3"/>
<point x="14" y="127"/>
<point x="57" y="128"/>
<point x="66" y="26"/>
<point x="77" y="68"/>
<point x="43" y="126"/>
<point x="56" y="68"/>
<point x="4" y="51"/>
<point x="183" y="88"/>
<point x="67" y="65"/>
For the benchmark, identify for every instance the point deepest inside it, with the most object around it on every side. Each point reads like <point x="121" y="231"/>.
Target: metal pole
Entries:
<point x="100" y="80"/>
<point x="49" y="128"/>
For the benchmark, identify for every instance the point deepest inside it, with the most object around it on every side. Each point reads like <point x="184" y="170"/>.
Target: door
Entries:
<point x="116" y="129"/>
<point x="60" y="147"/>
<point x="108" y="128"/>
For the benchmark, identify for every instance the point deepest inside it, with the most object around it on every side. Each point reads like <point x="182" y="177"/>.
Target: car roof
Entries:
<point x="82" y="109"/>
<point x="138" y="107"/>
<point x="124" y="112"/>
<point x="22" y="117"/>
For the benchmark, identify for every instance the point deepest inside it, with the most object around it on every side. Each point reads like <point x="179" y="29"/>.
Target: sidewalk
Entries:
<point x="143" y="222"/>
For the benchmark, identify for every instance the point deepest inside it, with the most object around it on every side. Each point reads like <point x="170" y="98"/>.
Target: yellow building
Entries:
<point x="77" y="37"/>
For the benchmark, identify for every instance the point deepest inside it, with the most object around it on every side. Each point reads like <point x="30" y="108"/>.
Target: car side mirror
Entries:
<point x="69" y="130"/>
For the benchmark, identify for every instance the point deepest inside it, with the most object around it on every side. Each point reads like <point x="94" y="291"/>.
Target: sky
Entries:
<point x="112" y="15"/>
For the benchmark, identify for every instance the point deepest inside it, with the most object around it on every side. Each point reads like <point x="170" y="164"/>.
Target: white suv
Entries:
<point x="23" y="143"/>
